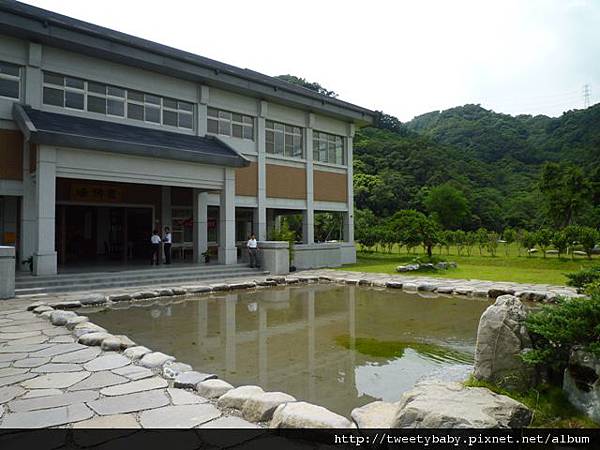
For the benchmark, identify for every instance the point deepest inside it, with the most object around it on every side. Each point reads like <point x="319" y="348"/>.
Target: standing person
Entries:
<point x="167" y="240"/>
<point x="155" y="241"/>
<point x="252" y="250"/>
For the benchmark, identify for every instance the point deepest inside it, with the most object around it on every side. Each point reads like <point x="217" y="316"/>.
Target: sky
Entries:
<point x="402" y="57"/>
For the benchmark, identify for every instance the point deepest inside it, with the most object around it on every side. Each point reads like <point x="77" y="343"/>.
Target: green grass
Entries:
<point x="502" y="267"/>
<point x="550" y="407"/>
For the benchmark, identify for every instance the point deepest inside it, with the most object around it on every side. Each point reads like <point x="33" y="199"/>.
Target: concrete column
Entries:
<point x="270" y="220"/>
<point x="308" y="219"/>
<point x="200" y="200"/>
<point x="262" y="174"/>
<point x="349" y="216"/>
<point x="227" y="249"/>
<point x="27" y="238"/>
<point x="44" y="260"/>
<point x="7" y="272"/>
<point x="165" y="207"/>
<point x="33" y="76"/>
<point x="202" y="106"/>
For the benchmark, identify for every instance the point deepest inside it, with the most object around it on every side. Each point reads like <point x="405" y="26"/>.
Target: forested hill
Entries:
<point x="493" y="159"/>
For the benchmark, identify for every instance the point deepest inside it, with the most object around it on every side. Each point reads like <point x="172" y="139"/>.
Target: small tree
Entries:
<point x="572" y="233"/>
<point x="470" y="240"/>
<point x="459" y="238"/>
<point x="482" y="239"/>
<point x="528" y="241"/>
<point x="450" y="240"/>
<point x="510" y="236"/>
<point x="588" y="238"/>
<point x="560" y="241"/>
<point x="543" y="239"/>
<point x="492" y="243"/>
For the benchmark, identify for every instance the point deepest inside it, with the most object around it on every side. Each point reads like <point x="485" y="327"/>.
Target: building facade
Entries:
<point x="105" y="137"/>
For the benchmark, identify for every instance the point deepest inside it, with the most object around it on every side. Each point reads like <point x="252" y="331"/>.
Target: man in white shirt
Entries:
<point x="253" y="250"/>
<point x="155" y="242"/>
<point x="167" y="241"/>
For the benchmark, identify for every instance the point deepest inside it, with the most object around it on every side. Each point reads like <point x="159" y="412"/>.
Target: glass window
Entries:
<point x="184" y="106"/>
<point x="52" y="78"/>
<point x="328" y="148"/>
<point x="8" y="69"/>
<point x="74" y="83"/>
<point x="96" y="104"/>
<point x="212" y="112"/>
<point x="134" y="95"/>
<point x="115" y="107"/>
<point x="237" y="130"/>
<point x="282" y="139"/>
<point x="54" y="96"/>
<point x="186" y="120"/>
<point x="213" y="126"/>
<point x="170" y="103"/>
<point x="170" y="118"/>
<point x="74" y="100"/>
<point x="153" y="99"/>
<point x="97" y="88"/>
<point x="116" y="92"/>
<point x="225" y="127"/>
<point x="230" y="124"/>
<point x="152" y="114"/>
<point x="9" y="88"/>
<point x="135" y="111"/>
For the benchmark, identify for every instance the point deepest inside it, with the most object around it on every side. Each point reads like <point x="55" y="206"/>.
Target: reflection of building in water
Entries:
<point x="285" y="343"/>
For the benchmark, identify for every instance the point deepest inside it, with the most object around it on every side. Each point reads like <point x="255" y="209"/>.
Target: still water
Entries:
<point x="336" y="346"/>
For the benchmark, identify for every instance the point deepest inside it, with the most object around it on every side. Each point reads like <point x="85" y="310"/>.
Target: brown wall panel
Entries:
<point x="11" y="155"/>
<point x="286" y="182"/>
<point x="246" y="180"/>
<point x="330" y="187"/>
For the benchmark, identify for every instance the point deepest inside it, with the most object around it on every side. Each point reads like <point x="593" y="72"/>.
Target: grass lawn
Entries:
<point x="521" y="269"/>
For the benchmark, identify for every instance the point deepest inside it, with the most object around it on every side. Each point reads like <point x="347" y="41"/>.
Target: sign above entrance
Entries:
<point x="96" y="193"/>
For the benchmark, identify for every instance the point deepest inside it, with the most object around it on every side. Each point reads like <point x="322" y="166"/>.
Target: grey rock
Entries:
<point x="532" y="296"/>
<point x="85" y="328"/>
<point x="155" y="359"/>
<point x="501" y="339"/>
<point x="463" y="290"/>
<point x="93" y="299"/>
<point x="9" y="371"/>
<point x="171" y="369"/>
<point x="35" y="393"/>
<point x="48" y="417"/>
<point x="54" y="368"/>
<point x="445" y="290"/>
<point x="20" y="348"/>
<point x="118" y="342"/>
<point x="60" y="318"/>
<point x="244" y="285"/>
<point x="426" y="287"/>
<point x="53" y="401"/>
<point x="452" y="405"/>
<point x="94" y="339"/>
<point x="266" y="283"/>
<point x="197" y="289"/>
<point x="73" y="321"/>
<point x="278" y="280"/>
<point x="119" y="297"/>
<point x="7" y="393"/>
<point x="235" y="398"/>
<point x="181" y="416"/>
<point x="36" y="304"/>
<point x="18" y="335"/>
<point x="497" y="292"/>
<point x="46" y="314"/>
<point x="31" y="362"/>
<point x="13" y="379"/>
<point x="67" y="304"/>
<point x="165" y="292"/>
<point x="481" y="293"/>
<point x="142" y="295"/>
<point x="220" y="287"/>
<point x="581" y="383"/>
<point x="260" y="407"/>
<point x="190" y="379"/>
<point x="57" y="349"/>
<point x="55" y="380"/>
<point x="116" y="421"/>
<point x="179" y="291"/>
<point x="139" y="401"/>
<point x="42" y="309"/>
<point x="79" y="356"/>
<point x="183" y="397"/>
<point x="61" y="339"/>
<point x="394" y="284"/>
<point x="147" y="384"/>
<point x="213" y="388"/>
<point x="375" y="415"/>
<point x="135" y="353"/>
<point x="133" y="372"/>
<point x="99" y="380"/>
<point x="107" y="362"/>
<point x="307" y="415"/>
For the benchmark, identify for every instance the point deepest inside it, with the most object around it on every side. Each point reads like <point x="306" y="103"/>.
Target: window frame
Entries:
<point x="16" y="78"/>
<point x="227" y="117"/>
<point x="322" y="142"/>
<point x="281" y="132"/>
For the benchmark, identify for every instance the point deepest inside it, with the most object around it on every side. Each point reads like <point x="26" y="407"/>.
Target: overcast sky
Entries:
<point x="403" y="57"/>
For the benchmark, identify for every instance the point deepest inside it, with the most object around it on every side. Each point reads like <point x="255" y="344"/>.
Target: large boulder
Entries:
<point x="501" y="340"/>
<point x="452" y="405"/>
<point x="581" y="383"/>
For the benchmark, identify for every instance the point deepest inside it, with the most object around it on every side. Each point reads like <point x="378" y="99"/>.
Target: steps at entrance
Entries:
<point x="151" y="276"/>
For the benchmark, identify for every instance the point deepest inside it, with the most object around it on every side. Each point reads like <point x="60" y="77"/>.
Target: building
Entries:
<point x="105" y="137"/>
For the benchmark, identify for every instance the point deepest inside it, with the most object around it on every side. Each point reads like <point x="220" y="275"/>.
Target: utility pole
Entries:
<point x="586" y="95"/>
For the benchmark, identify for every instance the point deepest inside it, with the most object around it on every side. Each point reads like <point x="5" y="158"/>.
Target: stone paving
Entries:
<point x="57" y="369"/>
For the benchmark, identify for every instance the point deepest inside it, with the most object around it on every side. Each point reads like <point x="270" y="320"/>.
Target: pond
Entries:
<point x="335" y="346"/>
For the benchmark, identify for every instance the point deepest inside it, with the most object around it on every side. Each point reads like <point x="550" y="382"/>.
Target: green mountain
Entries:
<point x="494" y="159"/>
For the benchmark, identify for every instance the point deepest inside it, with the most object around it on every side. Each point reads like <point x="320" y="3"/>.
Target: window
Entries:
<point x="10" y="79"/>
<point x="230" y="124"/>
<point x="182" y="225"/>
<point x="74" y="93"/>
<point x="281" y="139"/>
<point x="328" y="148"/>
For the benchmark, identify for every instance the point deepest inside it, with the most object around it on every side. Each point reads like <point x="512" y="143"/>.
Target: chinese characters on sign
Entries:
<point x="96" y="193"/>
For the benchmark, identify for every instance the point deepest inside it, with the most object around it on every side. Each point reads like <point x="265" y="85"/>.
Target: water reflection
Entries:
<point x="338" y="346"/>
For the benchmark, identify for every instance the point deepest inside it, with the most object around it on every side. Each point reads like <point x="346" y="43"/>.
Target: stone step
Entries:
<point x="150" y="273"/>
<point x="152" y="282"/>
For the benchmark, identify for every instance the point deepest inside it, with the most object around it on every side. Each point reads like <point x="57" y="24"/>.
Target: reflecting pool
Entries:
<point x="336" y="346"/>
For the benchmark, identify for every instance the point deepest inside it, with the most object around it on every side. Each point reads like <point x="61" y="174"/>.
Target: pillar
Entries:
<point x="261" y="219"/>
<point x="227" y="248"/>
<point x="200" y="200"/>
<point x="202" y="107"/>
<point x="27" y="238"/>
<point x="308" y="218"/>
<point x="44" y="260"/>
<point x="165" y="207"/>
<point x="349" y="215"/>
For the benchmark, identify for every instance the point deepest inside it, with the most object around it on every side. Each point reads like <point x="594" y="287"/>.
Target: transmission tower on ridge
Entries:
<point x="586" y="95"/>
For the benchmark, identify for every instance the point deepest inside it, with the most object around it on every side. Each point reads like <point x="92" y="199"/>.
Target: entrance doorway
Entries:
<point x="96" y="234"/>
